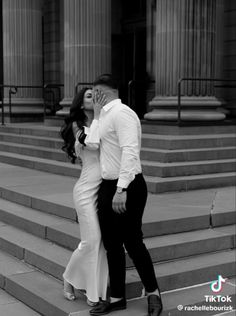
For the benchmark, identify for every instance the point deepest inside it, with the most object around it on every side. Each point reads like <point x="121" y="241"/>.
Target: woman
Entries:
<point x="87" y="268"/>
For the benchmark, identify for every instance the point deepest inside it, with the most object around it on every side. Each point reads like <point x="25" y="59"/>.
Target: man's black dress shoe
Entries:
<point x="105" y="307"/>
<point x="154" y="305"/>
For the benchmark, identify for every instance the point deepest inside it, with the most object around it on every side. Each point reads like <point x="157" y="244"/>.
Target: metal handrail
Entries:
<point x="16" y="87"/>
<point x="2" y="100"/>
<point x="50" y="86"/>
<point x="54" y="85"/>
<point x="130" y="87"/>
<point x="13" y="89"/>
<point x="200" y="79"/>
<point x="82" y="84"/>
<point x="10" y="92"/>
<point x="44" y="99"/>
<point x="130" y="83"/>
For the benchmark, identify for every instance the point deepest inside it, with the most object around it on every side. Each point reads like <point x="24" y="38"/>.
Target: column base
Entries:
<point x="66" y="103"/>
<point x="186" y="115"/>
<point x="192" y="109"/>
<point x="24" y="110"/>
<point x="24" y="105"/>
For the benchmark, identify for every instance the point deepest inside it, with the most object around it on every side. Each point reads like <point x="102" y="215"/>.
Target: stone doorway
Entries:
<point x="129" y="51"/>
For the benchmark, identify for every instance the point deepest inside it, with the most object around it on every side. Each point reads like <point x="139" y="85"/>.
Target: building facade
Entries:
<point x="148" y="45"/>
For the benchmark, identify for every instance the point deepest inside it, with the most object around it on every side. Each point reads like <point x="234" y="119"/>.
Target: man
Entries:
<point x="122" y="197"/>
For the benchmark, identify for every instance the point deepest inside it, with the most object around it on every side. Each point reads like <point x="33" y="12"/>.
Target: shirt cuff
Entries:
<point x="122" y="183"/>
<point x="94" y="123"/>
<point x="86" y="130"/>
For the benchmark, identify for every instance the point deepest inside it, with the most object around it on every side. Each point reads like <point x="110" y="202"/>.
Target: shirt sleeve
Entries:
<point x="78" y="146"/>
<point x="128" y="131"/>
<point x="92" y="139"/>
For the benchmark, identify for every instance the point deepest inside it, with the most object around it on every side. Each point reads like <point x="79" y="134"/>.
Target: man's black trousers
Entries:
<point x="119" y="230"/>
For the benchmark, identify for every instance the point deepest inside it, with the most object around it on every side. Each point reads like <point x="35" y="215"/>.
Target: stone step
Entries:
<point x="43" y="293"/>
<point x="164" y="214"/>
<point x="19" y="116"/>
<point x="31" y="129"/>
<point x="158" y="219"/>
<point x="148" y="140"/>
<point x="174" y="142"/>
<point x="158" y="169"/>
<point x="187" y="300"/>
<point x="157" y="128"/>
<point x="10" y="306"/>
<point x="186" y="183"/>
<point x="47" y="165"/>
<point x="44" y="255"/>
<point x="38" y="290"/>
<point x="44" y="141"/>
<point x="190" y="271"/>
<point x="56" y="229"/>
<point x="154" y="184"/>
<point x="149" y="154"/>
<point x="66" y="234"/>
<point x="153" y="168"/>
<point x="55" y="121"/>
<point x="52" y="259"/>
<point x="147" y="127"/>
<point x="34" y="151"/>
<point x="168" y="156"/>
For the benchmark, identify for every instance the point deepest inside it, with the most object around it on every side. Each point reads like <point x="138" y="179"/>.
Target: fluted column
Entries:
<point x="87" y="42"/>
<point x="22" y="48"/>
<point x="185" y="39"/>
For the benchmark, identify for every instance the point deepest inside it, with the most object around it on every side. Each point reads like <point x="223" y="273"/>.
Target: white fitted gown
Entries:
<point x="87" y="268"/>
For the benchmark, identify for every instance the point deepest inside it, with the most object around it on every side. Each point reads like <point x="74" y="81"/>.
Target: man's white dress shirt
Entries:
<point x="118" y="131"/>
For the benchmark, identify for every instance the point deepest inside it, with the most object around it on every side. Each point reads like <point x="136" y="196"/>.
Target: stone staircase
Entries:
<point x="10" y="306"/>
<point x="189" y="244"/>
<point x="190" y="235"/>
<point x="173" y="158"/>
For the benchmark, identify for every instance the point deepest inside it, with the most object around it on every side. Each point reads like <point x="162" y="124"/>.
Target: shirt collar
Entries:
<point x="109" y="105"/>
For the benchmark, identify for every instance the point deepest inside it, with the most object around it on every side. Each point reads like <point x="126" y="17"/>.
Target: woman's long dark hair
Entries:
<point x="76" y="115"/>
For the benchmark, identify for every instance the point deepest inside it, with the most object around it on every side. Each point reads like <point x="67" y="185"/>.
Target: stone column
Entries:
<point x="229" y="53"/>
<point x="185" y="36"/>
<point x="22" y="49"/>
<point x="87" y="43"/>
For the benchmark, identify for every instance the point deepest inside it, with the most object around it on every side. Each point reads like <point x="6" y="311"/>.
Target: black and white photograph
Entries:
<point x="117" y="157"/>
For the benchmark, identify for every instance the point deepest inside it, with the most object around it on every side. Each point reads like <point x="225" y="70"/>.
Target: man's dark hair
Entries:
<point x="106" y="80"/>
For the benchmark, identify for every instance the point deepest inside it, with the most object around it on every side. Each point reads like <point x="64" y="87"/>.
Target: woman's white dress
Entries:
<point x="87" y="268"/>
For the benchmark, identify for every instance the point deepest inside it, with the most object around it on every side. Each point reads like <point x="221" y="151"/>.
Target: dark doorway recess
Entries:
<point x="1" y="46"/>
<point x="132" y="52"/>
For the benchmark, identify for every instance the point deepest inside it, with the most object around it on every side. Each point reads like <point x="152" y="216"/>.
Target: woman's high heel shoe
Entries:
<point x="68" y="291"/>
<point x="69" y="296"/>
<point x="92" y="304"/>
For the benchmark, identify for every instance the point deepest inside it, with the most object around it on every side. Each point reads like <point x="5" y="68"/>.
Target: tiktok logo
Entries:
<point x="216" y="286"/>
